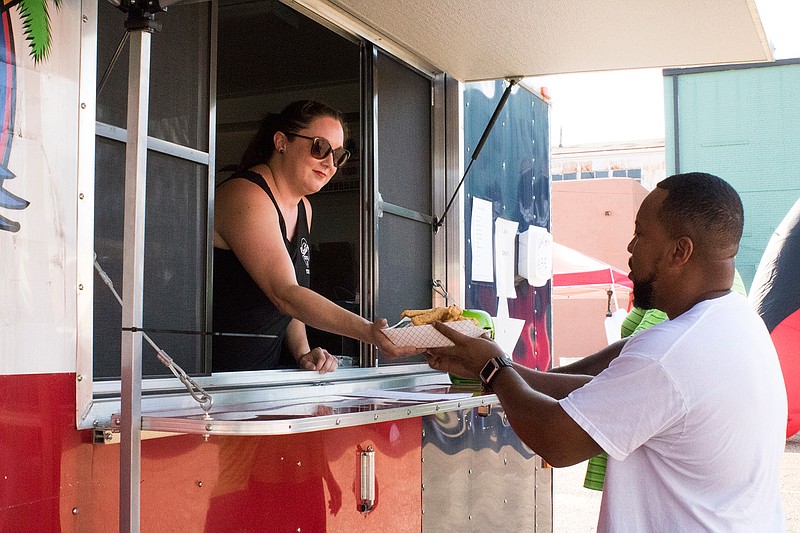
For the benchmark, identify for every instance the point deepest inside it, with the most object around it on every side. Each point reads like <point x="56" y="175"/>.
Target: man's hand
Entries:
<point x="318" y="359"/>
<point x="387" y="346"/>
<point x="466" y="358"/>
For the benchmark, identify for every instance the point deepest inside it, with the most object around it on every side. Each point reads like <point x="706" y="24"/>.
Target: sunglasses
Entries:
<point x="321" y="148"/>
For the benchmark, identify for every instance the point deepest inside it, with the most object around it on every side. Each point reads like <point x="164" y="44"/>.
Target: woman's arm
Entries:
<point x="246" y="221"/>
<point x="297" y="343"/>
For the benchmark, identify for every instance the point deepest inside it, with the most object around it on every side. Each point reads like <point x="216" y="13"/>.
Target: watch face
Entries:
<point x="488" y="370"/>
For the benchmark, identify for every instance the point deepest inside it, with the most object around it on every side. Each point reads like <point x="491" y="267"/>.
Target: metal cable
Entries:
<point x="196" y="391"/>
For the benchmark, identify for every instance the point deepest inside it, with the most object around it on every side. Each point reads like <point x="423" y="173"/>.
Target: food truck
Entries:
<point x="121" y="117"/>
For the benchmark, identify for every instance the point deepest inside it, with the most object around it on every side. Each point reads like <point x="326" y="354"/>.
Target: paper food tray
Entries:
<point x="427" y="337"/>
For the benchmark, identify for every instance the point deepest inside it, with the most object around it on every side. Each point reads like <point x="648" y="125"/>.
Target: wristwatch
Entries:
<point x="491" y="368"/>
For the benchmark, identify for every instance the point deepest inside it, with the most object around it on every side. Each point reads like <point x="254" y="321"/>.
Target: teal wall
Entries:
<point x="741" y="123"/>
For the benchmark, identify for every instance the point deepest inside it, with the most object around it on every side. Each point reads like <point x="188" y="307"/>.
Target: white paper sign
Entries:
<point x="481" y="239"/>
<point x="506" y="330"/>
<point x="505" y="234"/>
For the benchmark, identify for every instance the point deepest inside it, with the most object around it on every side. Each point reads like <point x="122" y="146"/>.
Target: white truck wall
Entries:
<point x="37" y="263"/>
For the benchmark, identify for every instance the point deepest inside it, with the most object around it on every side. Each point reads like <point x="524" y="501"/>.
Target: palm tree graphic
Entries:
<point x="36" y="28"/>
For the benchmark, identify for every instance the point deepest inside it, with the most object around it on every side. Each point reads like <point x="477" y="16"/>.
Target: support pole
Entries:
<point x="133" y="281"/>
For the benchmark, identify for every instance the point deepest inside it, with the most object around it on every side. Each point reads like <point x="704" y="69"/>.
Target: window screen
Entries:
<point x="176" y="190"/>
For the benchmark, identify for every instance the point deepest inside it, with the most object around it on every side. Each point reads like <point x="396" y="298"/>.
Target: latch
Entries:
<point x="367" y="480"/>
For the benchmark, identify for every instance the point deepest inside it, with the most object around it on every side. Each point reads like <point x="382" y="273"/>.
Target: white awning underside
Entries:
<point x="489" y="39"/>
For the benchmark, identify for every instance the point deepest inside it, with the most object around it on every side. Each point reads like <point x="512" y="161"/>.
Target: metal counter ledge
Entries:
<point x="348" y="397"/>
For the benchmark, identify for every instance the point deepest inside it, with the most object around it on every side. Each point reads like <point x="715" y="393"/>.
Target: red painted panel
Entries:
<point x="36" y="420"/>
<point x="308" y="481"/>
<point x="786" y="337"/>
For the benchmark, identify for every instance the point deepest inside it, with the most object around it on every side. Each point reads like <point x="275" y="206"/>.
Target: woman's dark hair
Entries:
<point x="293" y="118"/>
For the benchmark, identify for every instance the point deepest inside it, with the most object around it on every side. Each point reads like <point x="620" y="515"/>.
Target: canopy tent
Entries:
<point x="577" y="275"/>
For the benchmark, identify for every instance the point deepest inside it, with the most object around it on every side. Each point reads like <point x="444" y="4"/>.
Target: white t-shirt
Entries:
<point x="693" y="417"/>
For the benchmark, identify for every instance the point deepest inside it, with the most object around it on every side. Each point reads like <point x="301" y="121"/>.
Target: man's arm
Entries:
<point x="555" y="385"/>
<point x="591" y="365"/>
<point x="528" y="397"/>
<point x="541" y="422"/>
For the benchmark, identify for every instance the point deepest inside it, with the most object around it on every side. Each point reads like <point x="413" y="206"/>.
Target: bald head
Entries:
<point x="706" y="209"/>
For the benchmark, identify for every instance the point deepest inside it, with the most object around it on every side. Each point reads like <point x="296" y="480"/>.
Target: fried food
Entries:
<point x="421" y="317"/>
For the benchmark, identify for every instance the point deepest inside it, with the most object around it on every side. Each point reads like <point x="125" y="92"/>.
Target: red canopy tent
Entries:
<point x="577" y="275"/>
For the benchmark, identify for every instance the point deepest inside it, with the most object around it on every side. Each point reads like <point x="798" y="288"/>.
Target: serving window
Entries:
<point x="372" y="245"/>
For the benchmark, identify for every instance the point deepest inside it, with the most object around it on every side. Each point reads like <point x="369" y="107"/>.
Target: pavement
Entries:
<point x="575" y="509"/>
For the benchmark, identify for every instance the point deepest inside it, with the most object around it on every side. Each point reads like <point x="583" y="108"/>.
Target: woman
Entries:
<point x="261" y="253"/>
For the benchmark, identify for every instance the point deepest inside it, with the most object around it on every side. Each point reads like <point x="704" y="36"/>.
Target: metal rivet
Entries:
<point x="200" y="484"/>
<point x="299" y="463"/>
<point x="338" y="421"/>
<point x="74" y="510"/>
<point x="81" y="196"/>
<point x="80" y="286"/>
<point x="376" y="417"/>
<point x="470" y="517"/>
<point x="85" y="18"/>
<point x="79" y="377"/>
<point x="423" y="486"/>
<point x="83" y="105"/>
<point x="408" y="412"/>
<point x="469" y="471"/>
<point x="209" y="427"/>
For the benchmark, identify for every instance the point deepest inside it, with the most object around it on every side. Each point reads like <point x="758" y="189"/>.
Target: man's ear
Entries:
<point x="684" y="247"/>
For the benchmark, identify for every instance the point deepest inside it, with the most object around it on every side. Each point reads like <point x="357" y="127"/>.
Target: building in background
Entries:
<point x="741" y="122"/>
<point x="642" y="161"/>
<point x="596" y="192"/>
<point x="595" y="217"/>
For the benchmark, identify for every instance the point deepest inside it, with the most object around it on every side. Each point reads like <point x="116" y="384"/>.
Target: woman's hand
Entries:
<point x="386" y="346"/>
<point x="318" y="359"/>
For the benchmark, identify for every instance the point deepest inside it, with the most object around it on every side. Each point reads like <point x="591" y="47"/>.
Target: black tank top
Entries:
<point x="240" y="306"/>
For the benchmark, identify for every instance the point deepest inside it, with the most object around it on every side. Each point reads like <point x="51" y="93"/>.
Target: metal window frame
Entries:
<point x="98" y="400"/>
<point x="90" y="410"/>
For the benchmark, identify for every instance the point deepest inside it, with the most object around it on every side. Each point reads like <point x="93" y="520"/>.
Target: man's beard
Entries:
<point x="643" y="292"/>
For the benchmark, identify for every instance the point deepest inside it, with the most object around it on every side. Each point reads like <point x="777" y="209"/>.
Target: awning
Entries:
<point x="577" y="275"/>
<point x="477" y="40"/>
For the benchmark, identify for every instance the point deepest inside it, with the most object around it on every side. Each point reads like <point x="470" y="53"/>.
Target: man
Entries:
<point x="692" y="412"/>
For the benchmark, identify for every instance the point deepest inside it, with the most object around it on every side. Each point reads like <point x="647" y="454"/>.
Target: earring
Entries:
<point x="282" y="150"/>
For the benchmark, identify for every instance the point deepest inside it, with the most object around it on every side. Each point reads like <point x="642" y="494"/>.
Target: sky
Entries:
<point x="601" y="107"/>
